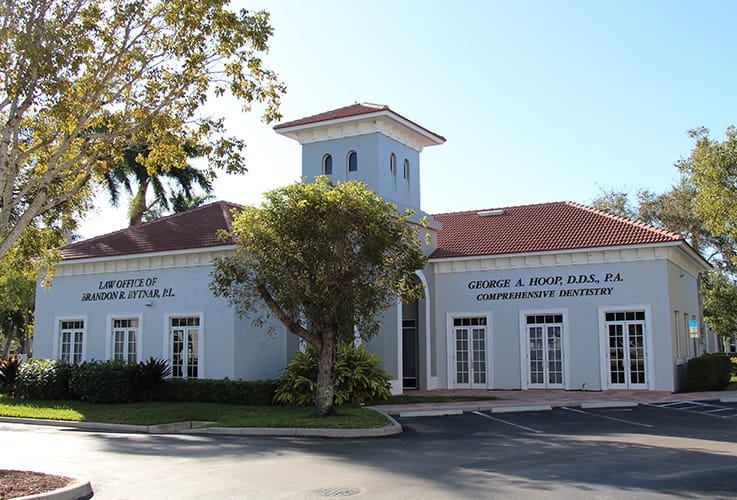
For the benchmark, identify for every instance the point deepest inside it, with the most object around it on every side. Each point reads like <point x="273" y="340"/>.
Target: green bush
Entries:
<point x="103" y="381"/>
<point x="149" y="375"/>
<point x="358" y="378"/>
<point x="225" y="391"/>
<point x="43" y="379"/>
<point x="709" y="372"/>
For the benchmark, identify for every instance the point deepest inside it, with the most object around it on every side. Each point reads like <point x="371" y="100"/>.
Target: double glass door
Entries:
<point x="470" y="352"/>
<point x="545" y="351"/>
<point x="626" y="355"/>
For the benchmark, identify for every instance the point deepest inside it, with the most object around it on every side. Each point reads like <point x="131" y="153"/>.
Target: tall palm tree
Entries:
<point x="134" y="177"/>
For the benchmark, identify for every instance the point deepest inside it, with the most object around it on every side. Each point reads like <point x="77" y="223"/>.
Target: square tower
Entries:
<point x="365" y="142"/>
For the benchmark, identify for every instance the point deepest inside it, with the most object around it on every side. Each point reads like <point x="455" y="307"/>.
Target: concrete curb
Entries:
<point x="519" y="408"/>
<point x="78" y="489"/>
<point x="200" y="427"/>
<point x="608" y="404"/>
<point x="430" y="413"/>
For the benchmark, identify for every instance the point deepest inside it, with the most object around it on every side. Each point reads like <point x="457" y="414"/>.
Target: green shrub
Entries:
<point x="150" y="375"/>
<point x="225" y="391"/>
<point x="358" y="378"/>
<point x="103" y="381"/>
<point x="709" y="372"/>
<point x="43" y="379"/>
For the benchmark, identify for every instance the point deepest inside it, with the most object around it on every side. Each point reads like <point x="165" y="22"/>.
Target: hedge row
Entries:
<point x="709" y="372"/>
<point x="119" y="382"/>
<point x="225" y="391"/>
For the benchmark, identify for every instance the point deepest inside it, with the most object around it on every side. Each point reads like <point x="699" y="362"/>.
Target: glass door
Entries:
<point x="470" y="352"/>
<point x="626" y="355"/>
<point x="545" y="351"/>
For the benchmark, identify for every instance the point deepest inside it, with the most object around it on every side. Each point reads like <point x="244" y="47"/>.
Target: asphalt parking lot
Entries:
<point x="670" y="450"/>
<point x="683" y="449"/>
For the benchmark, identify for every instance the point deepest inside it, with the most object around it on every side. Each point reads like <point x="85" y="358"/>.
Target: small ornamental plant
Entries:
<point x="9" y="374"/>
<point x="358" y="378"/>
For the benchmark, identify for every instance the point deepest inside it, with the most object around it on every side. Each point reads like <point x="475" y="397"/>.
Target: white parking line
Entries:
<point x="696" y="407"/>
<point x="607" y="417"/>
<point x="508" y="423"/>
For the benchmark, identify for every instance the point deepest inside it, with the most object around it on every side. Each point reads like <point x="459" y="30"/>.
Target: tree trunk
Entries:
<point x="6" y="348"/>
<point x="137" y="207"/>
<point x="325" y="391"/>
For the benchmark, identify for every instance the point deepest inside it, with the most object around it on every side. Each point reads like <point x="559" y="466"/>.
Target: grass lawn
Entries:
<point x="162" y="413"/>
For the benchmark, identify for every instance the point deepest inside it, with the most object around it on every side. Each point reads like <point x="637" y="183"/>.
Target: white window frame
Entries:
<point x="565" y="344"/>
<point x="109" y="350"/>
<point x="200" y="340"/>
<point x="604" y="342"/>
<point x="450" y="345"/>
<point x="348" y="161"/>
<point x="323" y="166"/>
<point x="58" y="335"/>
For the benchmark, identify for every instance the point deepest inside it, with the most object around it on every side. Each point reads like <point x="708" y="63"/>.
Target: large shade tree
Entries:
<point x="81" y="80"/>
<point x="325" y="259"/>
<point x="676" y="210"/>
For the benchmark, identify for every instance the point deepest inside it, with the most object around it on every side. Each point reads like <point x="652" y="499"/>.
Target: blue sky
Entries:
<point x="538" y="100"/>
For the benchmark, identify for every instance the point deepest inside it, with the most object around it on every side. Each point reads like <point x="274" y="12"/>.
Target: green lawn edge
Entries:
<point x="154" y="413"/>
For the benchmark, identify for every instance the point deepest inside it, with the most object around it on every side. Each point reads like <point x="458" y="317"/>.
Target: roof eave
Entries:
<point x="695" y="257"/>
<point x="429" y="138"/>
<point x="169" y="253"/>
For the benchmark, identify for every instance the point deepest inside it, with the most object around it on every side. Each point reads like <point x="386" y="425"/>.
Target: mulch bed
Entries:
<point x="17" y="483"/>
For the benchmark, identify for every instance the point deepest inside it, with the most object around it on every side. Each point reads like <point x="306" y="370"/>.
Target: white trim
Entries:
<point x="450" y="345"/>
<point x="428" y="332"/>
<point x="565" y="344"/>
<point x="109" y="334"/>
<point x="604" y="342"/>
<point x="56" y="351"/>
<point x="400" y="351"/>
<point x="143" y="262"/>
<point x="348" y="170"/>
<point x="676" y="252"/>
<point x="386" y="122"/>
<point x="200" y="338"/>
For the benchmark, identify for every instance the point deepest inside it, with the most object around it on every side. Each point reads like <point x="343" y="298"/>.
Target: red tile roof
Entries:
<point x="513" y="230"/>
<point x="540" y="228"/>
<point x="357" y="109"/>
<point x="196" y="228"/>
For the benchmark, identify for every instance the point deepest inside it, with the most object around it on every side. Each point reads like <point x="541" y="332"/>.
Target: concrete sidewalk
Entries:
<point x="542" y="399"/>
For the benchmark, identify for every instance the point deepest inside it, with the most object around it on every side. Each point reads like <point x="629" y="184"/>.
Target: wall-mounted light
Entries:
<point x="148" y="303"/>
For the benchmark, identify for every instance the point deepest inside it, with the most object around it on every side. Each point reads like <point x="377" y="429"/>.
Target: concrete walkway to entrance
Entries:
<point x="539" y="399"/>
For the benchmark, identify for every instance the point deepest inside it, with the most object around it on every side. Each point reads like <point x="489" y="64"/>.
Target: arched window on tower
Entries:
<point x="393" y="164"/>
<point x="327" y="165"/>
<point x="352" y="161"/>
<point x="406" y="169"/>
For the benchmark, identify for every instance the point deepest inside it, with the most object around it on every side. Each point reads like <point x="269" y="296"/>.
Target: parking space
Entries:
<point x="687" y="449"/>
<point x="691" y="419"/>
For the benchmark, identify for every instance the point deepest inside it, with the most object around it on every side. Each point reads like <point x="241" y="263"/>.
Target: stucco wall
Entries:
<point x="98" y="298"/>
<point x="606" y="287"/>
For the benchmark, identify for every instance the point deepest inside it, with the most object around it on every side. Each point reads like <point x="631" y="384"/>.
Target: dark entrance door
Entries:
<point x="410" y="346"/>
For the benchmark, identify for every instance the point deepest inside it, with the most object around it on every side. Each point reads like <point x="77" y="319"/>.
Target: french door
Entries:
<point x="626" y="353"/>
<point x="545" y="351"/>
<point x="469" y="335"/>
